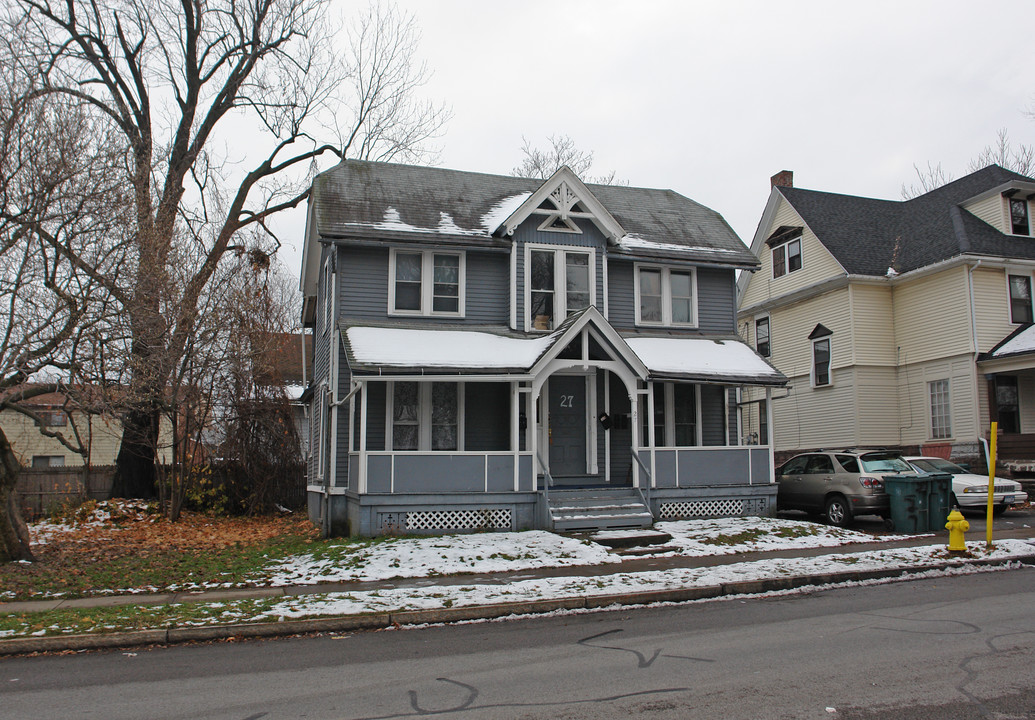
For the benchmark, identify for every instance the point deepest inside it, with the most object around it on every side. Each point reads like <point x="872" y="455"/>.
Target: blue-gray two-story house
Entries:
<point x="494" y="352"/>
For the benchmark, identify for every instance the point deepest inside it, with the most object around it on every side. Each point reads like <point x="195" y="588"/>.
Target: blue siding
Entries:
<point x="716" y="306"/>
<point x="363" y="283"/>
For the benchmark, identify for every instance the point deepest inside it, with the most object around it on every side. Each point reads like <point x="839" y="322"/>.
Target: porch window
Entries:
<point x="425" y="416"/>
<point x="1020" y="299"/>
<point x="821" y="362"/>
<point x="1019" y="216"/>
<point x="559" y="283"/>
<point x="941" y="428"/>
<point x="675" y="416"/>
<point x="665" y="296"/>
<point x="762" y="336"/>
<point x="763" y="422"/>
<point x="426" y="283"/>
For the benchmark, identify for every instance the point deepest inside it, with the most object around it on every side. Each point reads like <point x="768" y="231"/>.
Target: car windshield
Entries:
<point x="938" y="465"/>
<point x="884" y="463"/>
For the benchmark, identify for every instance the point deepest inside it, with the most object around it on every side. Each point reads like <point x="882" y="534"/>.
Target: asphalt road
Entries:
<point x="1009" y="520"/>
<point x="952" y="647"/>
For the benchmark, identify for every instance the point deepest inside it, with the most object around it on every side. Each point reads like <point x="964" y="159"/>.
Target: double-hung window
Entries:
<point x="1020" y="299"/>
<point x="941" y="426"/>
<point x="665" y="296"/>
<point x="426" y="283"/>
<point x="821" y="362"/>
<point x="425" y="416"/>
<point x="328" y="293"/>
<point x="787" y="257"/>
<point x="559" y="282"/>
<point x="1019" y="224"/>
<point x="762" y="336"/>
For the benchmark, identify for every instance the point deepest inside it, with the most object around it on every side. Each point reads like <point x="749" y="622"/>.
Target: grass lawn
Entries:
<point x="118" y="548"/>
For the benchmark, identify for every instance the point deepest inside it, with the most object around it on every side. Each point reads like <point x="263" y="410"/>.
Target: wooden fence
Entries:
<point x="43" y="489"/>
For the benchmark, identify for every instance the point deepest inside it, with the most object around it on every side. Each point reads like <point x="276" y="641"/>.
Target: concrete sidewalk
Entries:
<point x="389" y="619"/>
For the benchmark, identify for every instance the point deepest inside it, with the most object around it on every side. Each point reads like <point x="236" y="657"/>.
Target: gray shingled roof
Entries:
<point x="354" y="199"/>
<point x="868" y="236"/>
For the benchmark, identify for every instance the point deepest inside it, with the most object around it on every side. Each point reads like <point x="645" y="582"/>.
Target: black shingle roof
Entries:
<point x="868" y="236"/>
<point x="352" y="199"/>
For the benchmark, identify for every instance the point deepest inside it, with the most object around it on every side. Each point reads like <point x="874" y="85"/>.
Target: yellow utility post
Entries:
<point x="991" y="486"/>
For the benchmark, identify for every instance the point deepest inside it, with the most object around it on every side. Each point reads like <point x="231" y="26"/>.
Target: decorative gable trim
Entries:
<point x="562" y="199"/>
<point x="571" y="328"/>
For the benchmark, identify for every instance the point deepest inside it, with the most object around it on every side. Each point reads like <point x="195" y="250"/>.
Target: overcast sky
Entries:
<point x="712" y="98"/>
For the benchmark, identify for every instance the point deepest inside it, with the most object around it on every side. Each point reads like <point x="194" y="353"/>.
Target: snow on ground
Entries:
<point x="431" y="556"/>
<point x="106" y="512"/>
<point x="466" y="594"/>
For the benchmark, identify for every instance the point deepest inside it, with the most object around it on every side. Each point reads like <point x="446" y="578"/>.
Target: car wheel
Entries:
<point x="998" y="510"/>
<point x="837" y="512"/>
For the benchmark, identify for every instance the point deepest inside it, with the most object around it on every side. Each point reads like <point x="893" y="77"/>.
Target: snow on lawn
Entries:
<point x="465" y="594"/>
<point x="430" y="556"/>
<point x="91" y="515"/>
<point x="503" y="552"/>
<point x="731" y="536"/>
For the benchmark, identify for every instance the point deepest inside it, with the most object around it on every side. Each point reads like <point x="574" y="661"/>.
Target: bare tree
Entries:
<point x="542" y="163"/>
<point x="55" y="201"/>
<point x="1020" y="159"/>
<point x="178" y="80"/>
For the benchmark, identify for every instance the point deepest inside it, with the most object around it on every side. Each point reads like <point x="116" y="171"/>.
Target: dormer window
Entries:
<point x="558" y="283"/>
<point x="787" y="258"/>
<point x="1019" y="224"/>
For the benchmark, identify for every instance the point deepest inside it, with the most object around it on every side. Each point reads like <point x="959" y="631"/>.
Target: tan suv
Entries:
<point x="839" y="484"/>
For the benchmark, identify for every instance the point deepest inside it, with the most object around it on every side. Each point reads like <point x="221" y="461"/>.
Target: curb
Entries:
<point x="377" y="621"/>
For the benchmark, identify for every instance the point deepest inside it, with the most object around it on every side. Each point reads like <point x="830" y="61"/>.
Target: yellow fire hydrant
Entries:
<point x="956" y="527"/>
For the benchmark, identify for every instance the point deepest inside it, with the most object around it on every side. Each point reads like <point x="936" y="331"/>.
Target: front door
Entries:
<point x="567" y="425"/>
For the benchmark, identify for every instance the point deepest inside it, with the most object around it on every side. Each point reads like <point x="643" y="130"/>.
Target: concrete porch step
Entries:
<point x="598" y="509"/>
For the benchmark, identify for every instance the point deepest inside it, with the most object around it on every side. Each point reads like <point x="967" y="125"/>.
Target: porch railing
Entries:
<point x="645" y="497"/>
<point x="547" y="481"/>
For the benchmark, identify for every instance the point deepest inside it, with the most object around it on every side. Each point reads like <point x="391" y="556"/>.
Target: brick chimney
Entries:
<point x="784" y="178"/>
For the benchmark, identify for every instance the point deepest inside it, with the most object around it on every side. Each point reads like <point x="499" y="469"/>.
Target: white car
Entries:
<point x="970" y="490"/>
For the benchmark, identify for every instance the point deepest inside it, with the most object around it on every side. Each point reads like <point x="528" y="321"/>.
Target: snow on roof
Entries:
<point x="699" y="357"/>
<point x="503" y="210"/>
<point x="1022" y="342"/>
<point x="636" y="242"/>
<point x="405" y="347"/>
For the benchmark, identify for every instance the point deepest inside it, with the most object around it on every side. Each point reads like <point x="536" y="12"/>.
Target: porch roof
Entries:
<point x="704" y="359"/>
<point x="1014" y="352"/>
<point x="372" y="349"/>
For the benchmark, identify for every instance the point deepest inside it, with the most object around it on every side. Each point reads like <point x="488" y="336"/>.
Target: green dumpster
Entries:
<point x="938" y="505"/>
<point x="908" y="497"/>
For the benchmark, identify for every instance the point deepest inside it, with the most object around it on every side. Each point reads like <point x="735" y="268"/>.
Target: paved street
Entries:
<point x="951" y="647"/>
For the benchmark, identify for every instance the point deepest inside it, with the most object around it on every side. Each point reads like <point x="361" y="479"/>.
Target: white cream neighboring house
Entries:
<point x="900" y="324"/>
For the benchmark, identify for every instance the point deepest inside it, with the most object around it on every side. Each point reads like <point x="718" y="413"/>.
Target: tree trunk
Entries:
<point x="135" y="464"/>
<point x="14" y="535"/>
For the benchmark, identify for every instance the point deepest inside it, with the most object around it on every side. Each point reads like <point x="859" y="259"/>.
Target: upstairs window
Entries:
<point x="665" y="296"/>
<point x="559" y="283"/>
<point x="941" y="425"/>
<point x="1019" y="217"/>
<point x="762" y="336"/>
<point x="787" y="257"/>
<point x="426" y="283"/>
<point x="821" y="362"/>
<point x="1020" y="299"/>
<point x="328" y="293"/>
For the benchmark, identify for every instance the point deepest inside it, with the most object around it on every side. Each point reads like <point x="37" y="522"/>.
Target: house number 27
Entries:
<point x="567" y="401"/>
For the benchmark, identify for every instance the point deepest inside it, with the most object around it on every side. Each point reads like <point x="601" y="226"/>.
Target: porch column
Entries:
<point x="634" y="421"/>
<point x="515" y="431"/>
<point x="771" y="440"/>
<point x="361" y="484"/>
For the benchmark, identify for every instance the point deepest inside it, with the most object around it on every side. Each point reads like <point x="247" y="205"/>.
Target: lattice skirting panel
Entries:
<point x="712" y="508"/>
<point x="446" y="520"/>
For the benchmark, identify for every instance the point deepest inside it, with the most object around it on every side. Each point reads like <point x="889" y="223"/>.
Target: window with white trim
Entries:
<point x="47" y="461"/>
<point x="425" y="416"/>
<point x="1020" y="299"/>
<point x="941" y="425"/>
<point x="665" y="296"/>
<point x="558" y="283"/>
<point x="787" y="257"/>
<point x="762" y="336"/>
<point x="1019" y="221"/>
<point x="675" y="416"/>
<point x="821" y="362"/>
<point x="426" y="283"/>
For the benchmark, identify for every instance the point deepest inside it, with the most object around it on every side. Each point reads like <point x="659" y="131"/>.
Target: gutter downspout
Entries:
<point x="977" y="351"/>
